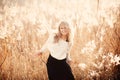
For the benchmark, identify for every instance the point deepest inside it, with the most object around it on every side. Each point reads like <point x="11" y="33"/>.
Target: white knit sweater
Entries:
<point x="59" y="50"/>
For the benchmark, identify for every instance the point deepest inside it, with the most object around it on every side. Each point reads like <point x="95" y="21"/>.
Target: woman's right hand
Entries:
<point x="37" y="54"/>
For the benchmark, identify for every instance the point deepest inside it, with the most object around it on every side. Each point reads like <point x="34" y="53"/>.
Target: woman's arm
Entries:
<point x="68" y="54"/>
<point x="69" y="60"/>
<point x="39" y="52"/>
<point x="45" y="46"/>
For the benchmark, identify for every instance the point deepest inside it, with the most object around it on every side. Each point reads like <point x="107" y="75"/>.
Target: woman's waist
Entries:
<point x="54" y="58"/>
<point x="59" y="56"/>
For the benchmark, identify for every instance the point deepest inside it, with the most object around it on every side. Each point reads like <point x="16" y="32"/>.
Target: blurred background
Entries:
<point x="26" y="24"/>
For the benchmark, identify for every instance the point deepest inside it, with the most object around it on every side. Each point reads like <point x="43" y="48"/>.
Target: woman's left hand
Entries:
<point x="70" y="62"/>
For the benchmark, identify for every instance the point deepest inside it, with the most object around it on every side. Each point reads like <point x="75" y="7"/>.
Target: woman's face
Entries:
<point x="64" y="30"/>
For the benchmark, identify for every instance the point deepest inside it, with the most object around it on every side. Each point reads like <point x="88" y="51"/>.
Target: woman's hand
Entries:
<point x="37" y="54"/>
<point x="70" y="62"/>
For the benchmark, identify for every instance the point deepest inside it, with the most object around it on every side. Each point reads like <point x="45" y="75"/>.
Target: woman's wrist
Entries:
<point x="69" y="61"/>
<point x="38" y="53"/>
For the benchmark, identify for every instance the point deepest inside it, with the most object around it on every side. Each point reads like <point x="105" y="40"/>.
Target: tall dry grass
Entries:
<point x="25" y="26"/>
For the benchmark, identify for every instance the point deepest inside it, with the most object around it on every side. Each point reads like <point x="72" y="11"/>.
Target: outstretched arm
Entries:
<point x="45" y="46"/>
<point x="39" y="52"/>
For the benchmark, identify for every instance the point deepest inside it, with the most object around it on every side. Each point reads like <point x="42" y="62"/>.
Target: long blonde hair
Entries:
<point x="58" y="35"/>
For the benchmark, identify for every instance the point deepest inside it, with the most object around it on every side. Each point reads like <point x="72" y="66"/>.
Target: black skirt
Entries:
<point x="58" y="69"/>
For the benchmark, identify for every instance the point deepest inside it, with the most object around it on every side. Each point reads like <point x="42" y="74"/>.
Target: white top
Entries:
<point x="59" y="50"/>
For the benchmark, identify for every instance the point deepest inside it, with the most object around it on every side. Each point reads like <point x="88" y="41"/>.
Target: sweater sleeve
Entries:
<point x="68" y="54"/>
<point x="45" y="46"/>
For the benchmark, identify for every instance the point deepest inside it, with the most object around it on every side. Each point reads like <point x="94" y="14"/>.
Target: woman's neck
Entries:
<point x="64" y="37"/>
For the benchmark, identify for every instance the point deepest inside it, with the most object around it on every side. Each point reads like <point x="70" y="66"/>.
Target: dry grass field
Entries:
<point x="26" y="24"/>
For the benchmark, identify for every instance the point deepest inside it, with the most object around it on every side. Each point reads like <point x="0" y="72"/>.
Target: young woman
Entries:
<point x="59" y="45"/>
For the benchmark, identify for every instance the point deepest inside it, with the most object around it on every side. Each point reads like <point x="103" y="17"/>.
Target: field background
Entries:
<point x="25" y="25"/>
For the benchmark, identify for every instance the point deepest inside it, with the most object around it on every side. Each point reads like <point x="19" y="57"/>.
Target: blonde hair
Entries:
<point x="58" y="35"/>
